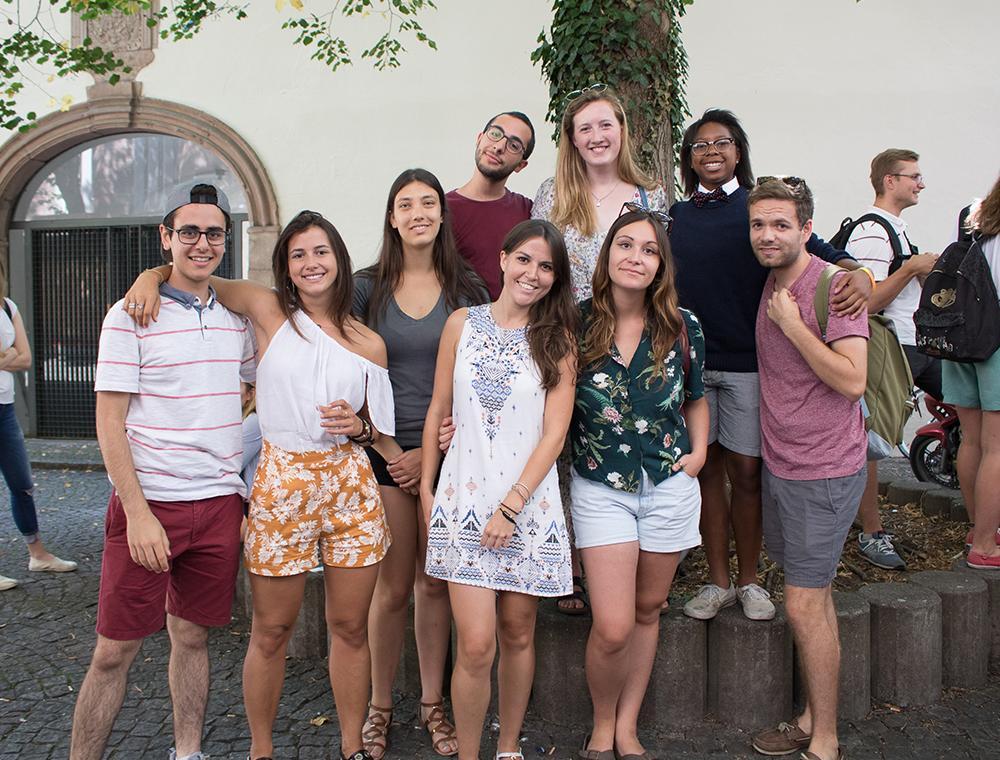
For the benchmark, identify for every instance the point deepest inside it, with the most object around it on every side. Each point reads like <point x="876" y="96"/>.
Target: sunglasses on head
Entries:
<point x="661" y="216"/>
<point x="596" y="87"/>
<point x="793" y="182"/>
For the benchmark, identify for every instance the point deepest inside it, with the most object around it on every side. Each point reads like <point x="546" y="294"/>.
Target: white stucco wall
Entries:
<point x="821" y="87"/>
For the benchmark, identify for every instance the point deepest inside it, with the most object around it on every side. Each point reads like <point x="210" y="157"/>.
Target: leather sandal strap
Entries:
<point x="437" y="723"/>
<point x="375" y="734"/>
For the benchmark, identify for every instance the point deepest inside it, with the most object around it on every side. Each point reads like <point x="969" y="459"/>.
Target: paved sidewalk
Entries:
<point x="46" y="637"/>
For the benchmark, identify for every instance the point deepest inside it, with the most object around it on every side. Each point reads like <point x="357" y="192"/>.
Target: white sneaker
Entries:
<point x="756" y="602"/>
<point x="710" y="598"/>
<point x="54" y="565"/>
<point x="6" y="583"/>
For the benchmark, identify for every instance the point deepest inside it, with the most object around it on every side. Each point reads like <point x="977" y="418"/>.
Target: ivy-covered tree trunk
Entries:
<point x="633" y="46"/>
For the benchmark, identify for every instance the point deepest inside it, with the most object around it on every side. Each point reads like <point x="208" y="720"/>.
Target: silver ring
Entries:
<point x="132" y="305"/>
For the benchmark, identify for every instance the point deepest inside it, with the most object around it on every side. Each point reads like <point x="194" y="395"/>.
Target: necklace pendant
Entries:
<point x="598" y="204"/>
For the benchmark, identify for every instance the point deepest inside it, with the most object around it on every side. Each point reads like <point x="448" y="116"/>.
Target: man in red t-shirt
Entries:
<point x="813" y="444"/>
<point x="483" y="210"/>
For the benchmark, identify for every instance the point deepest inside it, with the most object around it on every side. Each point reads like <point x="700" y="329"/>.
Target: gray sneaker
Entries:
<point x="756" y="602"/>
<point x="877" y="548"/>
<point x="6" y="583"/>
<point x="192" y="756"/>
<point x="710" y="598"/>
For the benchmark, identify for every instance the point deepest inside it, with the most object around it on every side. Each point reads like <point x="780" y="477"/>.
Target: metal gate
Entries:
<point x="77" y="274"/>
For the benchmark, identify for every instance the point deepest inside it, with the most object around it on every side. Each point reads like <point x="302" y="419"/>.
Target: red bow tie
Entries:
<point x="699" y="198"/>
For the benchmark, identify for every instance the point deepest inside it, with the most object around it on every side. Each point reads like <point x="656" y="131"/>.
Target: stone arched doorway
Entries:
<point x="25" y="156"/>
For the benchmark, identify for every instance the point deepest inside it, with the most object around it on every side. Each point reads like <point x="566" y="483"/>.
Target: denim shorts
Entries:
<point x="806" y="523"/>
<point x="662" y="518"/>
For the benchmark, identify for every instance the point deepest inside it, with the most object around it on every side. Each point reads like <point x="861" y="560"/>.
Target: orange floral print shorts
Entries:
<point x="312" y="506"/>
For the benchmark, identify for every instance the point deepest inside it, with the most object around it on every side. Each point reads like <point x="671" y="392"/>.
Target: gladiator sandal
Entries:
<point x="375" y="733"/>
<point x="437" y="724"/>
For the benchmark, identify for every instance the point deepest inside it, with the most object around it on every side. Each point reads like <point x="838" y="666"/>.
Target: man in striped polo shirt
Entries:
<point x="169" y="423"/>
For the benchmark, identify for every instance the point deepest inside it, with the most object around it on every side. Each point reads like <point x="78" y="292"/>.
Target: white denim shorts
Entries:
<point x="662" y="518"/>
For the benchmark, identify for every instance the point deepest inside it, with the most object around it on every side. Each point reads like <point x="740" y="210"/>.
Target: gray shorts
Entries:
<point x="734" y="410"/>
<point x="806" y="523"/>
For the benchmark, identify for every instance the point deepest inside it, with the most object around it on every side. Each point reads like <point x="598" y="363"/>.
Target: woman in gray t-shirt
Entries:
<point x="406" y="297"/>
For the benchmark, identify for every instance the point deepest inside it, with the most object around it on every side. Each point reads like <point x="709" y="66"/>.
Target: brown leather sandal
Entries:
<point x="437" y="723"/>
<point x="375" y="733"/>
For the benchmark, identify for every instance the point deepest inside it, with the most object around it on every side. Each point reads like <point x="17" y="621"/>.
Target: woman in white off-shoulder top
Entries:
<point x="323" y="394"/>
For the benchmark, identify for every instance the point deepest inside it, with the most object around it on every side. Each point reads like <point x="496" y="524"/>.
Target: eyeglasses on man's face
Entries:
<point x="723" y="144"/>
<point x="496" y="134"/>
<point x="191" y="235"/>
<point x="918" y="178"/>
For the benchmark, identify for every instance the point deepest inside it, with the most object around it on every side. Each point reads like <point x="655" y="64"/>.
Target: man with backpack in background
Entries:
<point x="878" y="240"/>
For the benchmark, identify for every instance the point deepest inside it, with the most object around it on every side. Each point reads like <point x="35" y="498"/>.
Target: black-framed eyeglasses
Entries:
<point x="496" y="134"/>
<point x="701" y="147"/>
<point x="661" y="216"/>
<point x="191" y="235"/>
<point x="918" y="178"/>
<point x="595" y="87"/>
<point x="793" y="182"/>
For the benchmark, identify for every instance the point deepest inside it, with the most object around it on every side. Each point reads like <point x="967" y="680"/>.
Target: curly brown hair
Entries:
<point x="663" y="316"/>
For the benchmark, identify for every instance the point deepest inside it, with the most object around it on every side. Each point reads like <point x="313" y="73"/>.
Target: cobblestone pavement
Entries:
<point x="46" y="636"/>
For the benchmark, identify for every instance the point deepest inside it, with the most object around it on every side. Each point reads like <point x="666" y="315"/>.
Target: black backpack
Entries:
<point x="839" y="240"/>
<point x="959" y="314"/>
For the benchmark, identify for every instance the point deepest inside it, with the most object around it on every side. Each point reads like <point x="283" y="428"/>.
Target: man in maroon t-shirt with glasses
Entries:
<point x="483" y="210"/>
<point x="813" y="443"/>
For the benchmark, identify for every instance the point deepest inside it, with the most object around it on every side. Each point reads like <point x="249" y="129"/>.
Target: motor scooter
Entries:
<point x="934" y="448"/>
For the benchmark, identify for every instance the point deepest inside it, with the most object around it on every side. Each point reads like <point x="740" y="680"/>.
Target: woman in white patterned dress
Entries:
<point x="506" y="372"/>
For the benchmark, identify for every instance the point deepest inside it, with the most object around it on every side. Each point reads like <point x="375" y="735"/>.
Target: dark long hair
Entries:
<point x="458" y="282"/>
<point x="339" y="308"/>
<point x="663" y="317"/>
<point x="727" y="119"/>
<point x="553" y="321"/>
<point x="985" y="216"/>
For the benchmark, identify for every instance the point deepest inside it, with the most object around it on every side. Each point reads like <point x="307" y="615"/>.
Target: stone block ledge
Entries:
<point x="901" y="643"/>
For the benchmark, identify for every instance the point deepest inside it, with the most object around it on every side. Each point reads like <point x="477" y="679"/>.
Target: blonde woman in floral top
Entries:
<point x="595" y="174"/>
<point x="639" y="437"/>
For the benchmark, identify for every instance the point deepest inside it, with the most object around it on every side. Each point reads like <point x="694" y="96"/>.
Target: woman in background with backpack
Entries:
<point x="975" y="390"/>
<point x="15" y="356"/>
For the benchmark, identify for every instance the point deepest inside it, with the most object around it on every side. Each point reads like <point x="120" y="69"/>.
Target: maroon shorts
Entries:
<point x="204" y="540"/>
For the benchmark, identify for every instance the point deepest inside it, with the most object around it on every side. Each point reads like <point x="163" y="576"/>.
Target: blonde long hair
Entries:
<point x="573" y="204"/>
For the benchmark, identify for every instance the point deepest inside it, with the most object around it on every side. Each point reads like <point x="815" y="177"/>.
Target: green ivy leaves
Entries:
<point x="634" y="46"/>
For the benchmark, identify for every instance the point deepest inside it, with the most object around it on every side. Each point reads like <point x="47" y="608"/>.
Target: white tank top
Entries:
<point x="299" y="373"/>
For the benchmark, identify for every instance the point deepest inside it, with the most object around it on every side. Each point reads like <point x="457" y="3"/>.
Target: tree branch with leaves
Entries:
<point x="32" y="51"/>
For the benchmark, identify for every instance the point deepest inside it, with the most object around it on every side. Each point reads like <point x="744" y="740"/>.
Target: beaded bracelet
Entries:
<point x="366" y="437"/>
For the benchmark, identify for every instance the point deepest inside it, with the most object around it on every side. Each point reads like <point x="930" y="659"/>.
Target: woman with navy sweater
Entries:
<point x="719" y="279"/>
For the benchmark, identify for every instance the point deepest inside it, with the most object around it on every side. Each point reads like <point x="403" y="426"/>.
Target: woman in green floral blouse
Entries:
<point x="639" y="436"/>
